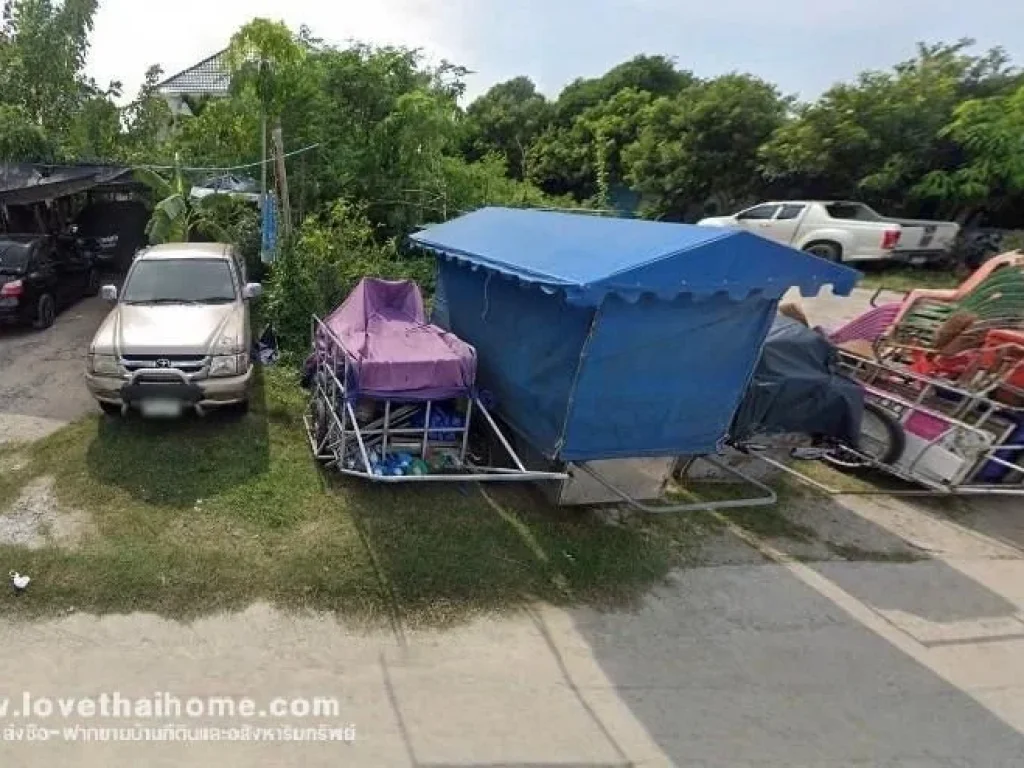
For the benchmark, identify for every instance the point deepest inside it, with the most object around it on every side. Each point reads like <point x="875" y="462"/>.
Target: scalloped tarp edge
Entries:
<point x="594" y="295"/>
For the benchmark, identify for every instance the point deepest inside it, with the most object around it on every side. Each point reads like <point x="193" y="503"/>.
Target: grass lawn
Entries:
<point x="905" y="278"/>
<point x="202" y="515"/>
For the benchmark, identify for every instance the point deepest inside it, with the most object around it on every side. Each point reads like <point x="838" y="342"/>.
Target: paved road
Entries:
<point x="770" y="664"/>
<point x="41" y="384"/>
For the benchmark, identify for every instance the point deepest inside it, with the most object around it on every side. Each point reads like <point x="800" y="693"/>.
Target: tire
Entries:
<point x="110" y="409"/>
<point x="825" y="249"/>
<point x="321" y="423"/>
<point x="92" y="285"/>
<point x="885" y="446"/>
<point x="240" y="408"/>
<point x="46" y="312"/>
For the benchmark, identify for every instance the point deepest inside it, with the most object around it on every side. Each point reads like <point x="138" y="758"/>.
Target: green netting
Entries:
<point x="998" y="302"/>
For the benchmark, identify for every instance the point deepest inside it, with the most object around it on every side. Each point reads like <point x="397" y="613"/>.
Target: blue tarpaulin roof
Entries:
<point x="590" y="257"/>
<point x="614" y="337"/>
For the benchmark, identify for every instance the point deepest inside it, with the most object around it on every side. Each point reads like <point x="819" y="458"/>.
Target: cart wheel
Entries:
<point x="321" y="421"/>
<point x="881" y="437"/>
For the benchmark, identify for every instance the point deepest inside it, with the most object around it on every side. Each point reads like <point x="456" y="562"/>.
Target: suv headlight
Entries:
<point x="104" y="365"/>
<point x="229" y="365"/>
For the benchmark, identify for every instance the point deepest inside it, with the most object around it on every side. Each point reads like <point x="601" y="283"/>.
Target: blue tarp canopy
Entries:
<point x="589" y="257"/>
<point x="608" y="338"/>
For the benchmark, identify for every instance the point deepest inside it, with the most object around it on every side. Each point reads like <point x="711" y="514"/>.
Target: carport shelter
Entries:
<point x="610" y="338"/>
<point x="25" y="183"/>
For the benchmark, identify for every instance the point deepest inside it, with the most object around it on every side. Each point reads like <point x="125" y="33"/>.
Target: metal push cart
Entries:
<point x="393" y="435"/>
<point x="950" y="438"/>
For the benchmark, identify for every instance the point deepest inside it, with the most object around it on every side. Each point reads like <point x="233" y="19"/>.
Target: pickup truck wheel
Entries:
<point x="825" y="250"/>
<point x="46" y="312"/>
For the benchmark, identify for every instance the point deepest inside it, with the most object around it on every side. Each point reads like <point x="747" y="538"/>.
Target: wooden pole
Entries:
<point x="263" y="153"/>
<point x="282" y="181"/>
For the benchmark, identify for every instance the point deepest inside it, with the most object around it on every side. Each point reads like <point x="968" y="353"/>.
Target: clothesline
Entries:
<point x="256" y="164"/>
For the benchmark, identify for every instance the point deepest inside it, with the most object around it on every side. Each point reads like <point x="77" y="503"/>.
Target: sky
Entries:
<point x="801" y="45"/>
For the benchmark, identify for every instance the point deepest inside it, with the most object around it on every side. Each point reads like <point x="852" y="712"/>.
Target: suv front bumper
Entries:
<point x="201" y="393"/>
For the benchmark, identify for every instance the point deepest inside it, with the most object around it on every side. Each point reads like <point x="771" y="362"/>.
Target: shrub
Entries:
<point x="1013" y="240"/>
<point x="239" y="220"/>
<point x="329" y="254"/>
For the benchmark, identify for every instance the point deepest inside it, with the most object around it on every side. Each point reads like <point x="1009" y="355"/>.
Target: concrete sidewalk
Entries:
<point x="771" y="663"/>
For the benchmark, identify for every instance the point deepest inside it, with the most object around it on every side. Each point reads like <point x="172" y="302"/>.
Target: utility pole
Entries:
<point x="263" y="154"/>
<point x="282" y="181"/>
<point x="263" y="126"/>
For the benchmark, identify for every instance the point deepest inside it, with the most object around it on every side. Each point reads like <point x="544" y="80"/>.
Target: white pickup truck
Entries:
<point x="844" y="231"/>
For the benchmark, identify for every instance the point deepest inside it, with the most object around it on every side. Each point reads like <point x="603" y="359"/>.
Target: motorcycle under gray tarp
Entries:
<point x="796" y="388"/>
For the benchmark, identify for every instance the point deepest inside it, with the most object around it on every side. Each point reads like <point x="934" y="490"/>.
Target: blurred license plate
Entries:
<point x="917" y="261"/>
<point x="161" y="408"/>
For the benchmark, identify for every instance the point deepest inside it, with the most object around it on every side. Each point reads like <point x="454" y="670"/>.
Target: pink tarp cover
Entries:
<point x="394" y="351"/>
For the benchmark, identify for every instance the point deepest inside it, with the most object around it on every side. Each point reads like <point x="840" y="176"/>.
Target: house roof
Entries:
<point x="209" y="76"/>
<point x="589" y="257"/>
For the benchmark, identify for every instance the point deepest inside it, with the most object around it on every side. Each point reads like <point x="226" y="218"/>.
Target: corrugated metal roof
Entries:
<point x="209" y="76"/>
<point x="25" y="183"/>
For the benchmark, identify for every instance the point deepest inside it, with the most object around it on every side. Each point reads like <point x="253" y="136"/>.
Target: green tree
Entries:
<point x="147" y="122"/>
<point x="257" y="54"/>
<point x="226" y="132"/>
<point x="703" y="142"/>
<point x="579" y="153"/>
<point x="990" y="132"/>
<point x="43" y="48"/>
<point x="656" y="75"/>
<point x="585" y="160"/>
<point x="879" y="136"/>
<point x="21" y="139"/>
<point x="506" y="120"/>
<point x="384" y="124"/>
<point x="94" y="132"/>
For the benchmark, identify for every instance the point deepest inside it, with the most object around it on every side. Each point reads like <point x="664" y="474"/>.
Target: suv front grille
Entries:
<point x="190" y="365"/>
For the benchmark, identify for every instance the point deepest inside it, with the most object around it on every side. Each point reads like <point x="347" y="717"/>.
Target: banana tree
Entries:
<point x="177" y="218"/>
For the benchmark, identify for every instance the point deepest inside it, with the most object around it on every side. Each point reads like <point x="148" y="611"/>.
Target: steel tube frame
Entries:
<point x="331" y="391"/>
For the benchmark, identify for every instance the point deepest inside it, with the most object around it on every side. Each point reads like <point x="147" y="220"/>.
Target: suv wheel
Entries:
<point x="111" y="409"/>
<point x="46" y="312"/>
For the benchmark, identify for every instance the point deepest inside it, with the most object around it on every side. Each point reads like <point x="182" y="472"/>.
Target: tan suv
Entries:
<point x="179" y="336"/>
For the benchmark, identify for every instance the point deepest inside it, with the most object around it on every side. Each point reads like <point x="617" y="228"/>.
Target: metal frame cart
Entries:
<point x="354" y="437"/>
<point x="957" y="441"/>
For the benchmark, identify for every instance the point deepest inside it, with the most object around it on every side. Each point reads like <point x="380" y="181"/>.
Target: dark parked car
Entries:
<point x="40" y="275"/>
<point x="112" y="231"/>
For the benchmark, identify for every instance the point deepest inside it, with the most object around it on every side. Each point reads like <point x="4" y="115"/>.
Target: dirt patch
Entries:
<point x="36" y="519"/>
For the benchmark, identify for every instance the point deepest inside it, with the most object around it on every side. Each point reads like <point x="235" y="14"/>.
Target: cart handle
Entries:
<point x="880" y="290"/>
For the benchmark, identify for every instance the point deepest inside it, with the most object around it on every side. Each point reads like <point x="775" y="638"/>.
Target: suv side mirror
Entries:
<point x="109" y="293"/>
<point x="252" y="291"/>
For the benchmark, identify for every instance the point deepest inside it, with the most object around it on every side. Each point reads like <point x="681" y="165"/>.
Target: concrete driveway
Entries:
<point x="890" y="633"/>
<point x="41" y="373"/>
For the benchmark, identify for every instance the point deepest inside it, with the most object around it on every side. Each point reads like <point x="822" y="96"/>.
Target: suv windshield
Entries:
<point x="14" y="256"/>
<point x="180" y="281"/>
